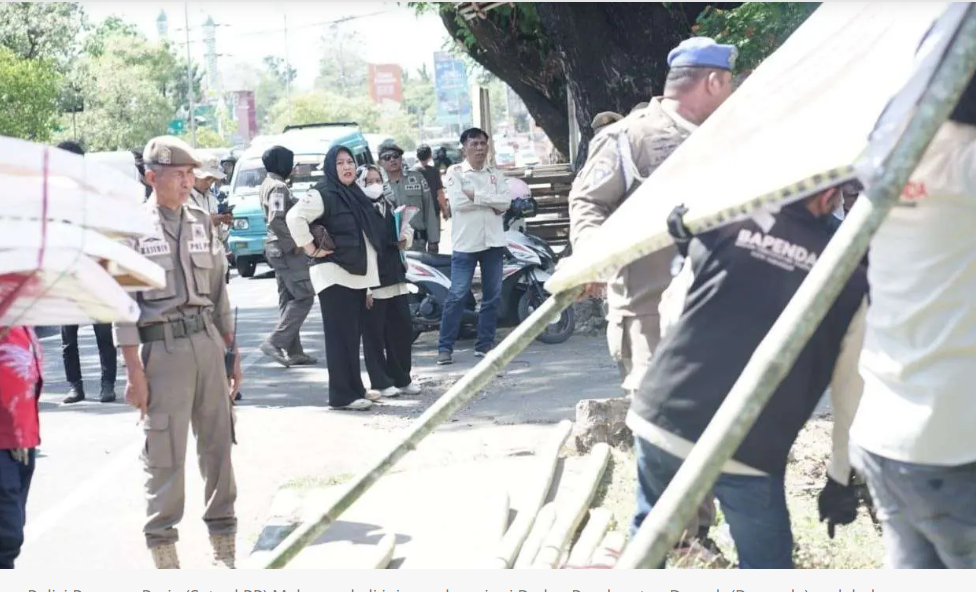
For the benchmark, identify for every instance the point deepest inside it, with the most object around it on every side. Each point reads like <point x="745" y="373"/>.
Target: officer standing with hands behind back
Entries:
<point x="410" y="188"/>
<point x="174" y="357"/>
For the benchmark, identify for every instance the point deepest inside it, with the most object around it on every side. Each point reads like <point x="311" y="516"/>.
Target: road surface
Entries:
<point x="86" y="506"/>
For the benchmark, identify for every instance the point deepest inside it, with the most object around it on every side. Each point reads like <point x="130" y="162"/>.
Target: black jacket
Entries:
<point x="391" y="265"/>
<point x="346" y="232"/>
<point x="349" y="218"/>
<point x="743" y="278"/>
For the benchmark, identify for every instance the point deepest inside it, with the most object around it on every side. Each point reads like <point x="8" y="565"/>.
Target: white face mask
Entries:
<point x="374" y="191"/>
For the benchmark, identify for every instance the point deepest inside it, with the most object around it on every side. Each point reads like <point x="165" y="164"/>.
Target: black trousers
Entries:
<point x="15" y="482"/>
<point x="388" y="343"/>
<point x="343" y="318"/>
<point x="107" y="354"/>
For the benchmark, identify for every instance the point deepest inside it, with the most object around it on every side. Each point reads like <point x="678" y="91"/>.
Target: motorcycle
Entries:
<point x="528" y="264"/>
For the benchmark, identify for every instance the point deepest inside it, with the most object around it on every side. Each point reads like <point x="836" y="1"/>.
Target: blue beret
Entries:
<point x="703" y="52"/>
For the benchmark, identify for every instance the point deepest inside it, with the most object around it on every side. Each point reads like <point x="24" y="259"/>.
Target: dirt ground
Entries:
<point x="856" y="546"/>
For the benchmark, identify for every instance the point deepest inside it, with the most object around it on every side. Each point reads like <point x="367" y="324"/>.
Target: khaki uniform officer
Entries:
<point x="621" y="156"/>
<point x="175" y="360"/>
<point x="290" y="264"/>
<point x="410" y="188"/>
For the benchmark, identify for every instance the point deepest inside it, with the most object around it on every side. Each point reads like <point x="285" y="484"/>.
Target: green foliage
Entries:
<point x="520" y="18"/>
<point x="124" y="92"/>
<point x="342" y="69"/>
<point x="45" y="30"/>
<point x="418" y="95"/>
<point x="321" y="105"/>
<point x="318" y="106"/>
<point x="29" y="96"/>
<point x="756" y="28"/>
<point x="206" y="138"/>
<point x="112" y="26"/>
<point x="279" y="70"/>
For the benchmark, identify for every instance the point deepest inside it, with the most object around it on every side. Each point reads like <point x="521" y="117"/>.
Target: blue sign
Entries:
<point x="451" y="88"/>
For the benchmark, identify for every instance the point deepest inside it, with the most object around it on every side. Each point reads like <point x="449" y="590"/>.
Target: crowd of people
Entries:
<point x="895" y="349"/>
<point x="343" y="240"/>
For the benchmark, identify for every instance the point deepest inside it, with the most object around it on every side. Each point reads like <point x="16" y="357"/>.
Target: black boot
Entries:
<point x="76" y="393"/>
<point x="108" y="393"/>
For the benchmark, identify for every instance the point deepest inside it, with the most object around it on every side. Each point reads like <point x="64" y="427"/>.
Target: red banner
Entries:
<point x="385" y="83"/>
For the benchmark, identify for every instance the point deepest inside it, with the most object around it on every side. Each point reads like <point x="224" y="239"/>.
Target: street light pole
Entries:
<point x="287" y="68"/>
<point x="189" y="76"/>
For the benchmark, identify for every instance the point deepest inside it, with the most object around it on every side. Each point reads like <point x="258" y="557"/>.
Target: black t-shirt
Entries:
<point x="744" y="276"/>
<point x="433" y="176"/>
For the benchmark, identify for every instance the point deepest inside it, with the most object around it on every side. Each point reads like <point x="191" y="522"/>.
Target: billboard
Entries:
<point x="385" y="83"/>
<point x="451" y="88"/>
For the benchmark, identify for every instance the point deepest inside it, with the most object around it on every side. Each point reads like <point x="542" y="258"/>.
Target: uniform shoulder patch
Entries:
<point x="603" y="165"/>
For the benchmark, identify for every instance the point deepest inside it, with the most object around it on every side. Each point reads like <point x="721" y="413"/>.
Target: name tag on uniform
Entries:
<point x="152" y="247"/>
<point x="199" y="232"/>
<point x="412" y="187"/>
<point x="198" y="246"/>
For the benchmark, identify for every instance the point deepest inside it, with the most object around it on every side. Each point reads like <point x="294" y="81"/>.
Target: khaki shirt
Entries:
<point x="184" y="245"/>
<point x="209" y="204"/>
<point x="276" y="200"/>
<point x="622" y="156"/>
<point x="411" y="189"/>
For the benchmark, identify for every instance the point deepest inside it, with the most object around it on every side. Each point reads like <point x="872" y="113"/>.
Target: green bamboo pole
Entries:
<point x="779" y="349"/>
<point x="456" y="397"/>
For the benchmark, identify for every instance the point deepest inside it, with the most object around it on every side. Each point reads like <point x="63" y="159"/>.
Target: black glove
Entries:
<point x="677" y="229"/>
<point x="837" y="504"/>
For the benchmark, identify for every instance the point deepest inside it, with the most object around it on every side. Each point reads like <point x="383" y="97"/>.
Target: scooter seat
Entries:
<point x="436" y="261"/>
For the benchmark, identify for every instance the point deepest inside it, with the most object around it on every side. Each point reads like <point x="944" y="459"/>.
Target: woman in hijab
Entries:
<point x="388" y="336"/>
<point x="342" y="272"/>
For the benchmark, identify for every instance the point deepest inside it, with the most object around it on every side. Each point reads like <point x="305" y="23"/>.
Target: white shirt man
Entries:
<point x="479" y="196"/>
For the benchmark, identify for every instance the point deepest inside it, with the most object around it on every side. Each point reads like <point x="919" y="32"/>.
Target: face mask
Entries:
<point x="373" y="191"/>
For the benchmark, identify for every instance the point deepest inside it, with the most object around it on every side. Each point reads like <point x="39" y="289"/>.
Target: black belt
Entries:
<point x="181" y="328"/>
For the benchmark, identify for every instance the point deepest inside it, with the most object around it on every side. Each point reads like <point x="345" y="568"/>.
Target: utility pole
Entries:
<point x="287" y="68"/>
<point x="189" y="77"/>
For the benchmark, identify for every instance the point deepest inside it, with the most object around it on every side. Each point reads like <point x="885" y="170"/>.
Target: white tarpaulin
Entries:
<point x="798" y="124"/>
<point x="65" y="231"/>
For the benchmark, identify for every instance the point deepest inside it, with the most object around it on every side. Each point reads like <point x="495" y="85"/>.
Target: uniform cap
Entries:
<point x="169" y="151"/>
<point x="703" y="52"/>
<point x="605" y="118"/>
<point x="389" y="147"/>
<point x="209" y="168"/>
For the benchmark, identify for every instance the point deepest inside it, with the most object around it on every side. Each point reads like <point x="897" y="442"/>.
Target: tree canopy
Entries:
<point x="29" y="94"/>
<point x="543" y="49"/>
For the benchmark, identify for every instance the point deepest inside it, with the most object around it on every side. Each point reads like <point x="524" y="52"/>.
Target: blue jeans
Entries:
<point x="754" y="507"/>
<point x="15" y="481"/>
<point x="927" y="512"/>
<point x="462" y="273"/>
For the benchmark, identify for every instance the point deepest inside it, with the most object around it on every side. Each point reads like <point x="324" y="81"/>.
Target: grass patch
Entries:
<point x="303" y="483"/>
<point x="855" y="546"/>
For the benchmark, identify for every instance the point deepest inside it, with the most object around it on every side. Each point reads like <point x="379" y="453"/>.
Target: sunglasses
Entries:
<point x="389" y="157"/>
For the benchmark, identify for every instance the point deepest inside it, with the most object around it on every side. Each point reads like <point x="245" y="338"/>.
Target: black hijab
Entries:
<point x="367" y="218"/>
<point x="279" y="160"/>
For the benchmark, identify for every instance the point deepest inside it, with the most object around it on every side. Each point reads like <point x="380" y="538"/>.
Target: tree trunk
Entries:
<point x="611" y="56"/>
<point x="614" y="54"/>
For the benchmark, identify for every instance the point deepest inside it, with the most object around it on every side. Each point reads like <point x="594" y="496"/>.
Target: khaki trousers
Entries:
<point x="632" y="341"/>
<point x="188" y="387"/>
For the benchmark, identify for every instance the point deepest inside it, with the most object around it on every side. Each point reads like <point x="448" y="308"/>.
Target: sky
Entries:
<point x="247" y="32"/>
